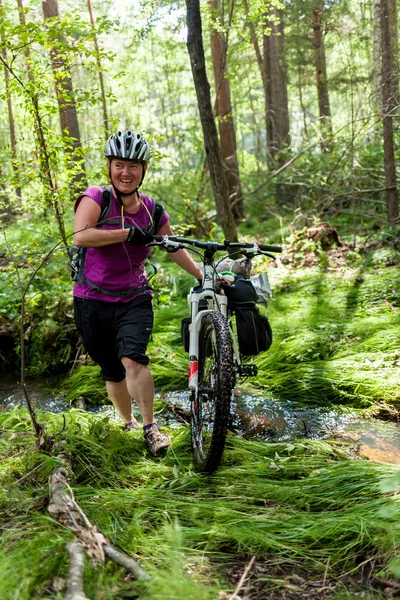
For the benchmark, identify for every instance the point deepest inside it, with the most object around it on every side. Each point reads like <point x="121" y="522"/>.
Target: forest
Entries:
<point x="269" y="122"/>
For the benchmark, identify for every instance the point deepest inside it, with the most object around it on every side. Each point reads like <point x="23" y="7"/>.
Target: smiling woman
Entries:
<point x="112" y="301"/>
<point x="126" y="175"/>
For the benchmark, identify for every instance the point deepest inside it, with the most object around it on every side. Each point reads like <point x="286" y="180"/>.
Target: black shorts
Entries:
<point x="111" y="330"/>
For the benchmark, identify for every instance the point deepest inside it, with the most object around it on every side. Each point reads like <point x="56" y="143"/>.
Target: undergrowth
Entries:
<point x="335" y="336"/>
<point x="307" y="503"/>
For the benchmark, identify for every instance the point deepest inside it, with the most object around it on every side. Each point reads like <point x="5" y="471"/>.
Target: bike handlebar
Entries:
<point x="215" y="245"/>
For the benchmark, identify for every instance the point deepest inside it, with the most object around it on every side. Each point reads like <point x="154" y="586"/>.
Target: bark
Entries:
<point x="394" y="50"/>
<point x="64" y="508"/>
<point x="99" y="68"/>
<point x="75" y="575"/>
<point x="211" y="143"/>
<point x="223" y="109"/>
<point x="275" y="77"/>
<point x="376" y="55"/>
<point x="13" y="139"/>
<point x="321" y="75"/>
<point x="67" y="106"/>
<point x="388" y="105"/>
<point x="272" y="65"/>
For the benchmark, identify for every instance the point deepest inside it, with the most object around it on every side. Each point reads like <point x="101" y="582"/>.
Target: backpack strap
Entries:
<point x="157" y="213"/>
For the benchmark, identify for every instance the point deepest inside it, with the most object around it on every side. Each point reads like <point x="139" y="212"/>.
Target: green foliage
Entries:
<point x="335" y="336"/>
<point x="292" y="501"/>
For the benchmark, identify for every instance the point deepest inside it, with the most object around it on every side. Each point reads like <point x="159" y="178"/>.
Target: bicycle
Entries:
<point x="214" y="358"/>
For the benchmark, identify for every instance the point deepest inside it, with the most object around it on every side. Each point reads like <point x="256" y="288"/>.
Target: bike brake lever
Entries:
<point x="154" y="244"/>
<point x="269" y="255"/>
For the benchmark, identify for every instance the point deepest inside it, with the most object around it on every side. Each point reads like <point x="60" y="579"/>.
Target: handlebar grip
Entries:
<point x="270" y="248"/>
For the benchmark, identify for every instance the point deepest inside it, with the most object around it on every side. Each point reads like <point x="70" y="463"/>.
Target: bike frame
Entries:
<point x="215" y="303"/>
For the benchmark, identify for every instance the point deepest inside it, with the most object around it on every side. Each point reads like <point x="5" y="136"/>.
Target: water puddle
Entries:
<point x="255" y="416"/>
<point x="41" y="393"/>
<point x="263" y="417"/>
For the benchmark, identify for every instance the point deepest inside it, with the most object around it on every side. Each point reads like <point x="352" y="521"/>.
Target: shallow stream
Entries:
<point x="257" y="415"/>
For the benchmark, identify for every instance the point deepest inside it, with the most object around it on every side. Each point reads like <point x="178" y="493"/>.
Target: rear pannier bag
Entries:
<point x="253" y="329"/>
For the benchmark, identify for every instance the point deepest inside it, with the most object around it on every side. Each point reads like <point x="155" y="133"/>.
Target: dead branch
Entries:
<point x="64" y="508"/>
<point x="242" y="580"/>
<point x="125" y="561"/>
<point x="75" y="575"/>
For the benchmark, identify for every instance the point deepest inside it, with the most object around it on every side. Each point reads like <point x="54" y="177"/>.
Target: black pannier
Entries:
<point x="253" y="329"/>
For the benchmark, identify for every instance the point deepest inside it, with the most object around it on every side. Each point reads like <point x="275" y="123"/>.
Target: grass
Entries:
<point x="307" y="503"/>
<point x="335" y="337"/>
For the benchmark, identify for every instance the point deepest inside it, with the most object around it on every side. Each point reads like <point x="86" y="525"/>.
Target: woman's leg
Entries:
<point x="121" y="399"/>
<point x="140" y="386"/>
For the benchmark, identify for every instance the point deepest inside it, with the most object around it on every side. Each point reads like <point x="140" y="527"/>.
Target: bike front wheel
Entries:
<point x="210" y="415"/>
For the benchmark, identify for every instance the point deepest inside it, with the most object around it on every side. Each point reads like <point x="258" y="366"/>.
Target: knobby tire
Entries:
<point x="211" y="403"/>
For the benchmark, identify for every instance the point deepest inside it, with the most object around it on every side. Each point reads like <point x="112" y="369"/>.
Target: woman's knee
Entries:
<point x="132" y="367"/>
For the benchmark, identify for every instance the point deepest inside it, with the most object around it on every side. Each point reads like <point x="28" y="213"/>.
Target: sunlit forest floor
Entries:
<point x="299" y="519"/>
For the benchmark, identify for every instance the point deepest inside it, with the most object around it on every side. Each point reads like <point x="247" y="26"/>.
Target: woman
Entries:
<point x="112" y="302"/>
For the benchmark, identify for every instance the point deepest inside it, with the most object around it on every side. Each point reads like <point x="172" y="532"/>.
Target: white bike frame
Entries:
<point x="216" y="303"/>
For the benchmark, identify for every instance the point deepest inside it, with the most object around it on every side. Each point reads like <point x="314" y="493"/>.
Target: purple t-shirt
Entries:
<point x="121" y="266"/>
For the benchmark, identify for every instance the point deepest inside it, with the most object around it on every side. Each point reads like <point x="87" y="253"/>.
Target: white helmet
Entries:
<point x="131" y="146"/>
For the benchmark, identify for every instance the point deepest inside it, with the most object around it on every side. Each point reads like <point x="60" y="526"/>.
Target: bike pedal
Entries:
<point x="247" y="370"/>
<point x="206" y="390"/>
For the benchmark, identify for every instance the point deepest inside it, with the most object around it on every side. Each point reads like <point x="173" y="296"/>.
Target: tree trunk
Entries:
<point x="13" y="139"/>
<point x="376" y="55"/>
<point x="321" y="76"/>
<point x="272" y="67"/>
<point x="98" y="61"/>
<point x="277" y="110"/>
<point x="388" y="105"/>
<point x="223" y="109"/>
<point x="394" y="49"/>
<point x="67" y="106"/>
<point x="211" y="143"/>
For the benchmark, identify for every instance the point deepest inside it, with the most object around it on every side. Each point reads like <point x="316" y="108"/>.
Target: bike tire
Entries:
<point x="210" y="403"/>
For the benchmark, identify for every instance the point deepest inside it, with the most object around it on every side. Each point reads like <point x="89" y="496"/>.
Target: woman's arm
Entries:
<point x="182" y="257"/>
<point x="85" y="233"/>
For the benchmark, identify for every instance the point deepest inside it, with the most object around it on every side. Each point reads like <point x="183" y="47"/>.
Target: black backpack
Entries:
<point x="77" y="254"/>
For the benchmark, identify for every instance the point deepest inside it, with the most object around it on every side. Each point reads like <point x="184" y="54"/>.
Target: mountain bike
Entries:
<point x="214" y="358"/>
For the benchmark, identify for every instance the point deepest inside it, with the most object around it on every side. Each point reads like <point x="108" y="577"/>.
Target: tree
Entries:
<point x="210" y="135"/>
<point x="99" y="67"/>
<point x="388" y="108"/>
<point x="223" y="109"/>
<point x="320" y="73"/>
<point x="13" y="139"/>
<point x="66" y="102"/>
<point x="272" y="65"/>
<point x="277" y="110"/>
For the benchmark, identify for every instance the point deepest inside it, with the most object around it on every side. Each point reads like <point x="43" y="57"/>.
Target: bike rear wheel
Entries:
<point x="211" y="402"/>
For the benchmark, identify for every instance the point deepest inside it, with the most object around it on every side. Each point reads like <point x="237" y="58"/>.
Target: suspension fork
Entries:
<point x="214" y="302"/>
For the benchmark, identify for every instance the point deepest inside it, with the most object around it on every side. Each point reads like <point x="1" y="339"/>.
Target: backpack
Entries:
<point x="77" y="254"/>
